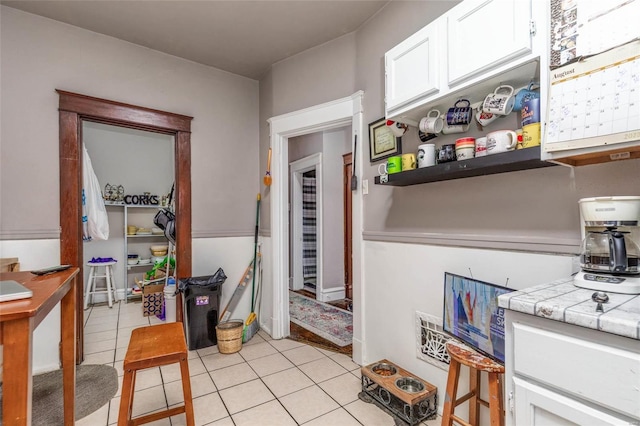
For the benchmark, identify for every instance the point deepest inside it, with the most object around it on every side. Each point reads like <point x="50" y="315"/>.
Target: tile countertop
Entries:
<point x="562" y="301"/>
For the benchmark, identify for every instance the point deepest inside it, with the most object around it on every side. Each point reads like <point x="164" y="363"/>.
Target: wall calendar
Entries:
<point x="595" y="101"/>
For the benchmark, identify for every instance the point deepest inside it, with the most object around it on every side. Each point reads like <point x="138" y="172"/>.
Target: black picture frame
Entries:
<point x="382" y="142"/>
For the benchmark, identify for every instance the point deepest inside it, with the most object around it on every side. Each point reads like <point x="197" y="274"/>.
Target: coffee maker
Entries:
<point x="610" y="253"/>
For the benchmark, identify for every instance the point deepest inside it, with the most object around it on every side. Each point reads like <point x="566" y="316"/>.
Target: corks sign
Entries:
<point x="145" y="199"/>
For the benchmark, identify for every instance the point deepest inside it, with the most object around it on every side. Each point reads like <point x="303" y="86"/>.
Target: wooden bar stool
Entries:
<point x="93" y="277"/>
<point x="476" y="363"/>
<point x="154" y="346"/>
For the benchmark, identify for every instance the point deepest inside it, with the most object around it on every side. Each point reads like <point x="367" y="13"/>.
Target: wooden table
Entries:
<point x="18" y="319"/>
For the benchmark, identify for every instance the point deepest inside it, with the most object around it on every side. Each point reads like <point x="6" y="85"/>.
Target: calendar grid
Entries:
<point x="587" y="103"/>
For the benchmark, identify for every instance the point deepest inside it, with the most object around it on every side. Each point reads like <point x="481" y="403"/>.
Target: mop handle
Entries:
<point x="255" y="253"/>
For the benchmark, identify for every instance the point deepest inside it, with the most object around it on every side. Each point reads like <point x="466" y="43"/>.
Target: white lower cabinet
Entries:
<point x="482" y="34"/>
<point x="562" y="374"/>
<point x="539" y="406"/>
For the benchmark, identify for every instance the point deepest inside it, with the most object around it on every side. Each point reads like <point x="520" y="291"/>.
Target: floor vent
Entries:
<point x="431" y="340"/>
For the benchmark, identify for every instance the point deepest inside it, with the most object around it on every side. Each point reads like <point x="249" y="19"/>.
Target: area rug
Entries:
<point x="95" y="386"/>
<point x="328" y="322"/>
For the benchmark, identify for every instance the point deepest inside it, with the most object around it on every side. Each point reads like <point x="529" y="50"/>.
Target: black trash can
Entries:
<point x="201" y="302"/>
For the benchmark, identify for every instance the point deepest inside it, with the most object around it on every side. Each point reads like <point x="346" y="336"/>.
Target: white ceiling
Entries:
<point x="243" y="37"/>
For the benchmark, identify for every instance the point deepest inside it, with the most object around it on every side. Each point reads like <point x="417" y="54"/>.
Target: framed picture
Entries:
<point x="382" y="143"/>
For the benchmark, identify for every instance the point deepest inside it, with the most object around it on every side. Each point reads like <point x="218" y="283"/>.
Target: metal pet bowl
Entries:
<point x="409" y="385"/>
<point x="384" y="369"/>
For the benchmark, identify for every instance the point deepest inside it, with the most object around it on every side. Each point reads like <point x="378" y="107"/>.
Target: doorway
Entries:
<point x="331" y="115"/>
<point x="73" y="110"/>
<point x="306" y="224"/>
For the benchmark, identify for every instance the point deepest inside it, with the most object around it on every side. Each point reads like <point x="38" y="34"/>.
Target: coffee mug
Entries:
<point x="460" y="113"/>
<point x="408" y="161"/>
<point x="465" y="148"/>
<point x="525" y="94"/>
<point x="531" y="112"/>
<point x="481" y="147"/>
<point x="393" y="165"/>
<point x="501" y="141"/>
<point x="447" y="153"/>
<point x="500" y="101"/>
<point x="456" y="128"/>
<point x="427" y="155"/>
<point x="482" y="117"/>
<point x="432" y="123"/>
<point x="531" y="135"/>
<point x="398" y="129"/>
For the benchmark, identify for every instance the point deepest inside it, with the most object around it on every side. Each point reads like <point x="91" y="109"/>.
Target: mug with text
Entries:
<point x="501" y="141"/>
<point x="482" y="117"/>
<point x="481" y="147"/>
<point x="393" y="165"/>
<point x="531" y="135"/>
<point x="499" y="102"/>
<point x="460" y="113"/>
<point x="432" y="123"/>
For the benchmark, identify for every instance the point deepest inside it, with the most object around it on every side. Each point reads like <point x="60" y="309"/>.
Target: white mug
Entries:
<point x="481" y="147"/>
<point x="397" y="128"/>
<point x="432" y="123"/>
<point x="499" y="102"/>
<point x="501" y="141"/>
<point x="482" y="117"/>
<point x="426" y="155"/>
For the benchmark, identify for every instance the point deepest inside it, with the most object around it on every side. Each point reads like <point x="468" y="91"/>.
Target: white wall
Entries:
<point x="404" y="278"/>
<point x="233" y="255"/>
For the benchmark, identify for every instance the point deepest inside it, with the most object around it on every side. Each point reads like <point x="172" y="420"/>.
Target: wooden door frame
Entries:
<point x="73" y="110"/>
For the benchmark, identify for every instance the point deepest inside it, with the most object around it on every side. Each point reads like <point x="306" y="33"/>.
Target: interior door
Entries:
<point x="347" y="170"/>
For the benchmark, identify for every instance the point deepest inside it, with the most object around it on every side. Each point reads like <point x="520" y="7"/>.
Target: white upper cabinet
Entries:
<point x="412" y="69"/>
<point x="483" y="34"/>
<point x="466" y="53"/>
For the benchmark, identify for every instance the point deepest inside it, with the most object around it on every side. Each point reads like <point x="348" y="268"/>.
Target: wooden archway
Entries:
<point x="75" y="108"/>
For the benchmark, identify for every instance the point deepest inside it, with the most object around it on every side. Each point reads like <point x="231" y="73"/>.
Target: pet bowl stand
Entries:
<point x="411" y="406"/>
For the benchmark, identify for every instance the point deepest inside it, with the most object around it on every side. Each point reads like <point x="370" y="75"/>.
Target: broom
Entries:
<point x="251" y="325"/>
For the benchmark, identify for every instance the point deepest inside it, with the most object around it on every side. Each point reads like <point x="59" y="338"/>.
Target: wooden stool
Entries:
<point x="153" y="346"/>
<point x="91" y="282"/>
<point x="476" y="363"/>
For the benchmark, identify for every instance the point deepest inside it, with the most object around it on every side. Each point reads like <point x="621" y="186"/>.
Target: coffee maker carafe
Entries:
<point x="610" y="253"/>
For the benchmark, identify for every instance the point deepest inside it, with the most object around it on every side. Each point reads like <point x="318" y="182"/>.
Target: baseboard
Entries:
<point x="357" y="352"/>
<point x="332" y="294"/>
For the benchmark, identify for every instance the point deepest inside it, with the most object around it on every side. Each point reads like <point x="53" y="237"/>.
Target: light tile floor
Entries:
<point x="269" y="382"/>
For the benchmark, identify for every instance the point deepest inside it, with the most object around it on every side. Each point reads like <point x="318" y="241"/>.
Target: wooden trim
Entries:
<point x="118" y="113"/>
<point x="73" y="109"/>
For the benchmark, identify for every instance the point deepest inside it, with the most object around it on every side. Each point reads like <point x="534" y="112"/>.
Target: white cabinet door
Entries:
<point x="538" y="406"/>
<point x="412" y="68"/>
<point x="483" y="34"/>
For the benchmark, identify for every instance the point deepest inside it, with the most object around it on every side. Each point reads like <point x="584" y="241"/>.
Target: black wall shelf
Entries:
<point x="512" y="161"/>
